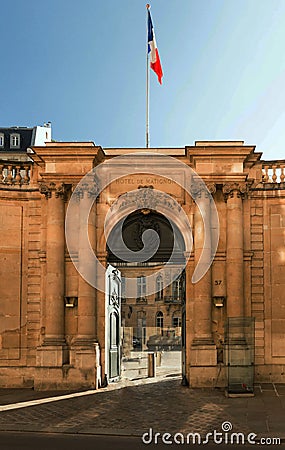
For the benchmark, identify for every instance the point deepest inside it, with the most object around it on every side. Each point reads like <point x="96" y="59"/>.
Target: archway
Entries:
<point x="151" y="322"/>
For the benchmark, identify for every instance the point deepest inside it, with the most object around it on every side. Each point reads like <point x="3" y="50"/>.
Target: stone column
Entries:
<point x="234" y="271"/>
<point x="236" y="347"/>
<point x="51" y="353"/>
<point x="86" y="292"/>
<point x="85" y="349"/>
<point x="203" y="289"/>
<point x="203" y="349"/>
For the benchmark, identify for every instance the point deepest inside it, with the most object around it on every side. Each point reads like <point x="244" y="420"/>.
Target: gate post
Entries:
<point x="151" y="365"/>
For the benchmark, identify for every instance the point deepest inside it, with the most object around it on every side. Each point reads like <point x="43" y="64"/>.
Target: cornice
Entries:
<point x="67" y="152"/>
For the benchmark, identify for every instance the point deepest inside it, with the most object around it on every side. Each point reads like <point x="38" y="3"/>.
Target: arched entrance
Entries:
<point x="153" y="316"/>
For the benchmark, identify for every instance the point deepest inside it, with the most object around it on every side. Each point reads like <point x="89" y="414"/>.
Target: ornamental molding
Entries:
<point x="58" y="189"/>
<point x="201" y="189"/>
<point x="147" y="198"/>
<point x="211" y="187"/>
<point x="87" y="187"/>
<point x="114" y="299"/>
<point x="91" y="189"/>
<point x="238" y="189"/>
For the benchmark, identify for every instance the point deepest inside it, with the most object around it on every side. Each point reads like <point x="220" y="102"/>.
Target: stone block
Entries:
<point x="259" y="315"/>
<point x="255" y="228"/>
<point x="207" y="377"/>
<point x="275" y="220"/>
<point x="257" y="289"/>
<point x="65" y="377"/>
<point x="34" y="246"/>
<point x="50" y="356"/>
<point x="257" y="220"/>
<point x="203" y="355"/>
<point x="83" y="358"/>
<point x="259" y="360"/>
<point x="257" y="307"/>
<point x="256" y="237"/>
<point x="34" y="289"/>
<point x="278" y="275"/>
<point x="278" y="341"/>
<point x="278" y="307"/>
<point x="259" y="333"/>
<point x="257" y="298"/>
<point x="259" y="325"/>
<point x="11" y="339"/>
<point x="257" y="245"/>
<point x="256" y="211"/>
<point x="33" y="307"/>
<point x="257" y="272"/>
<point x="259" y="340"/>
<point x="269" y="373"/>
<point x="257" y="263"/>
<point x="34" y="224"/>
<point x="14" y="353"/>
<point x="258" y="255"/>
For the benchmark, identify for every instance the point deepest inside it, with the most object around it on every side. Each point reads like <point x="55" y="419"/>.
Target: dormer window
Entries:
<point x="1" y="140"/>
<point x="15" y="140"/>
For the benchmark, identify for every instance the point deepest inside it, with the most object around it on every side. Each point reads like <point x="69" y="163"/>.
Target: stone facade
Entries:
<point x="52" y="321"/>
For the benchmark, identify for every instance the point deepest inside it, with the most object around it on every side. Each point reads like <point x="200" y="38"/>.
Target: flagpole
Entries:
<point x="147" y="82"/>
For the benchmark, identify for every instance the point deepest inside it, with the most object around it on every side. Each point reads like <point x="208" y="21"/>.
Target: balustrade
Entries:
<point x="172" y="299"/>
<point x="15" y="173"/>
<point x="273" y="171"/>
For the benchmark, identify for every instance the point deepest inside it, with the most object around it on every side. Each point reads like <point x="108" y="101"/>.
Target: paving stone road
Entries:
<point x="133" y="407"/>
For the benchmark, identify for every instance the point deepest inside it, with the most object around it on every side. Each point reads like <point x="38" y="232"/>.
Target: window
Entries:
<point x="176" y="289"/>
<point x="141" y="286"/>
<point x="1" y="140"/>
<point x="14" y="140"/>
<point x="159" y="319"/>
<point x="176" y="319"/>
<point x="159" y="288"/>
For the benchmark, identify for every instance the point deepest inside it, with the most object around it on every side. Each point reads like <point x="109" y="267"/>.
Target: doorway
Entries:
<point x="155" y="322"/>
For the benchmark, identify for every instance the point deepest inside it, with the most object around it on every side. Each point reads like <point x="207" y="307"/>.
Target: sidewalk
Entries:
<point x="131" y="408"/>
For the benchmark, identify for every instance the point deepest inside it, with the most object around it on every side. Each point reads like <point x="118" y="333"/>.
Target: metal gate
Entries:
<point x="113" y="323"/>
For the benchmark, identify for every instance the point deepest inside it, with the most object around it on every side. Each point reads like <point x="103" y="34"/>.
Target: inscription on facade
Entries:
<point x="161" y="183"/>
<point x="148" y="180"/>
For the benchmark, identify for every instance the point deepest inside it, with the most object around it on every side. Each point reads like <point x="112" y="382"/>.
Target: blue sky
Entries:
<point x="82" y="66"/>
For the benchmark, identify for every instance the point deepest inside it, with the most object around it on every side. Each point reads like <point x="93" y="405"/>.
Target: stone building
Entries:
<point x="57" y="330"/>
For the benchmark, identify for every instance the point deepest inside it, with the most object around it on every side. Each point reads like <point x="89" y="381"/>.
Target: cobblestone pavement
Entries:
<point x="133" y="407"/>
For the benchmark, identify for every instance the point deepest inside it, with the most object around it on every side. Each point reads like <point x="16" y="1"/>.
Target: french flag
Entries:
<point x="152" y="49"/>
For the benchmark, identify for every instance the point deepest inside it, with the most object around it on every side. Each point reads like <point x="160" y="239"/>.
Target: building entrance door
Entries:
<point x="113" y="323"/>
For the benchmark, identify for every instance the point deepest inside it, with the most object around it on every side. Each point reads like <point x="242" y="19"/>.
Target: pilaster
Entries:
<point x="234" y="194"/>
<point x="85" y="349"/>
<point x="52" y="353"/>
<point x="203" y="349"/>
